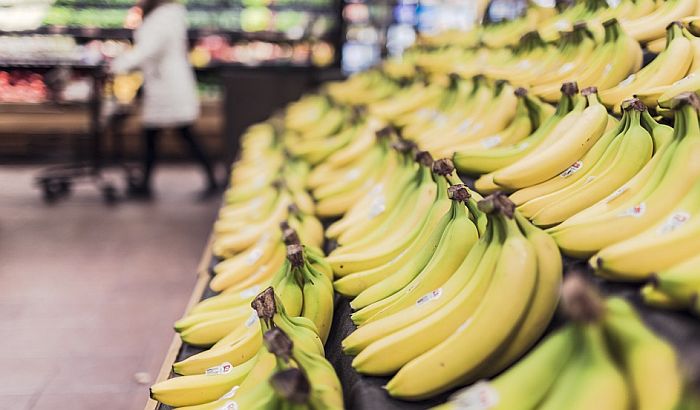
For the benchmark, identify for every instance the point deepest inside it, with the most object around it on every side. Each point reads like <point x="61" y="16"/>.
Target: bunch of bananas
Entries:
<point x="434" y="306"/>
<point x="572" y="136"/>
<point x="290" y="354"/>
<point x="680" y="57"/>
<point x="618" y="226"/>
<point x="486" y="160"/>
<point x="605" y="357"/>
<point x="225" y="323"/>
<point x="616" y="156"/>
<point x="267" y="188"/>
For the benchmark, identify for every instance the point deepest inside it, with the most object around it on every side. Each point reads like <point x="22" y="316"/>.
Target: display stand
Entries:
<point x="360" y="392"/>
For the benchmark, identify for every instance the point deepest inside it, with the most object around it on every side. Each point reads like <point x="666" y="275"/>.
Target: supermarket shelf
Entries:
<point x="42" y="106"/>
<point x="37" y="64"/>
<point x="222" y="5"/>
<point x="681" y="329"/>
<point x="91" y="33"/>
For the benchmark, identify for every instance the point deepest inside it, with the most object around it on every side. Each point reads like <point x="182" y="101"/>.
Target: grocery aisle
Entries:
<point x="89" y="293"/>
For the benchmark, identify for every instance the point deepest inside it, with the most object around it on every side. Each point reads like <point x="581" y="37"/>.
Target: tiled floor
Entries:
<point x="88" y="293"/>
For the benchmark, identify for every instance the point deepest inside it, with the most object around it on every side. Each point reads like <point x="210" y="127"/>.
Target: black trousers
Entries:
<point x="185" y="132"/>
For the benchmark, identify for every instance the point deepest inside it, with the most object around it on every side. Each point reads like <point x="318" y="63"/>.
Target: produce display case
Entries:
<point x="367" y="393"/>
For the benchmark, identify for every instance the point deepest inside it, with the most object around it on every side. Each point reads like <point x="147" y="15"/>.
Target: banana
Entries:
<point x="202" y="388"/>
<point x="473" y="275"/>
<point x="544" y="300"/>
<point x="256" y="392"/>
<point x="669" y="66"/>
<point x="653" y="25"/>
<point x="363" y="142"/>
<point x="234" y="281"/>
<point x="440" y="223"/>
<point x="650" y="363"/>
<point x="501" y="110"/>
<point x="316" y="151"/>
<point x="229" y="243"/>
<point x="318" y="300"/>
<point x="641" y="184"/>
<point x="388" y="343"/>
<point x="662" y="246"/>
<point x="378" y="203"/>
<point x="674" y="183"/>
<point x="454" y="245"/>
<point x="232" y="350"/>
<point x="326" y="390"/>
<point x="513" y="280"/>
<point x="409" y="100"/>
<point x="302" y="114"/>
<point x="353" y="283"/>
<point x="568" y="148"/>
<point x="635" y="150"/>
<point x="593" y="380"/>
<point x="489" y="160"/>
<point x="681" y="283"/>
<point x="432" y="204"/>
<point x="208" y="328"/>
<point x="654" y="297"/>
<point x="352" y="176"/>
<point x="530" y="196"/>
<point x="526" y="384"/>
<point x="605" y="68"/>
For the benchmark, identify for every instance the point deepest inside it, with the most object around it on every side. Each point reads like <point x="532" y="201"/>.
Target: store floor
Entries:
<point x="88" y="293"/>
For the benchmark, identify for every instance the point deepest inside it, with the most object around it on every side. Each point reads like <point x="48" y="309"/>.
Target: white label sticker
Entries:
<point x="523" y="145"/>
<point x="377" y="207"/>
<point x="352" y="175"/>
<point x="230" y="393"/>
<point x="480" y="396"/>
<point x="429" y="296"/>
<point x="674" y="221"/>
<point x="260" y="180"/>
<point x="254" y="256"/>
<point x="257" y="202"/>
<point x="572" y="169"/>
<point x="636" y="211"/>
<point x="618" y="192"/>
<point x="252" y="319"/>
<point x="426" y="113"/>
<point x="627" y="80"/>
<point x="689" y="76"/>
<point x="250" y="292"/>
<point x="524" y="64"/>
<point x="566" y="68"/>
<point x="491" y="142"/>
<point x="376" y="190"/>
<point x="229" y="405"/>
<point x="606" y="70"/>
<point x="562" y="24"/>
<point x="223" y="368"/>
<point x="464" y="125"/>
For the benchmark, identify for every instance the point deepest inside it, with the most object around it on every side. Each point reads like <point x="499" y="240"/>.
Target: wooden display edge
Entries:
<point x="199" y="288"/>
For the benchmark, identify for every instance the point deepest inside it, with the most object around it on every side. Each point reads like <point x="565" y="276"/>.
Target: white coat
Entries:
<point x="160" y="51"/>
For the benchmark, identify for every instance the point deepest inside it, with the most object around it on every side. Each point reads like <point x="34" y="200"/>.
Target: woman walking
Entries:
<point x="170" y="92"/>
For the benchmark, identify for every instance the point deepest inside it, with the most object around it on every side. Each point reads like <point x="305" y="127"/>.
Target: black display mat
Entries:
<point x="680" y="328"/>
<point x="366" y="393"/>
